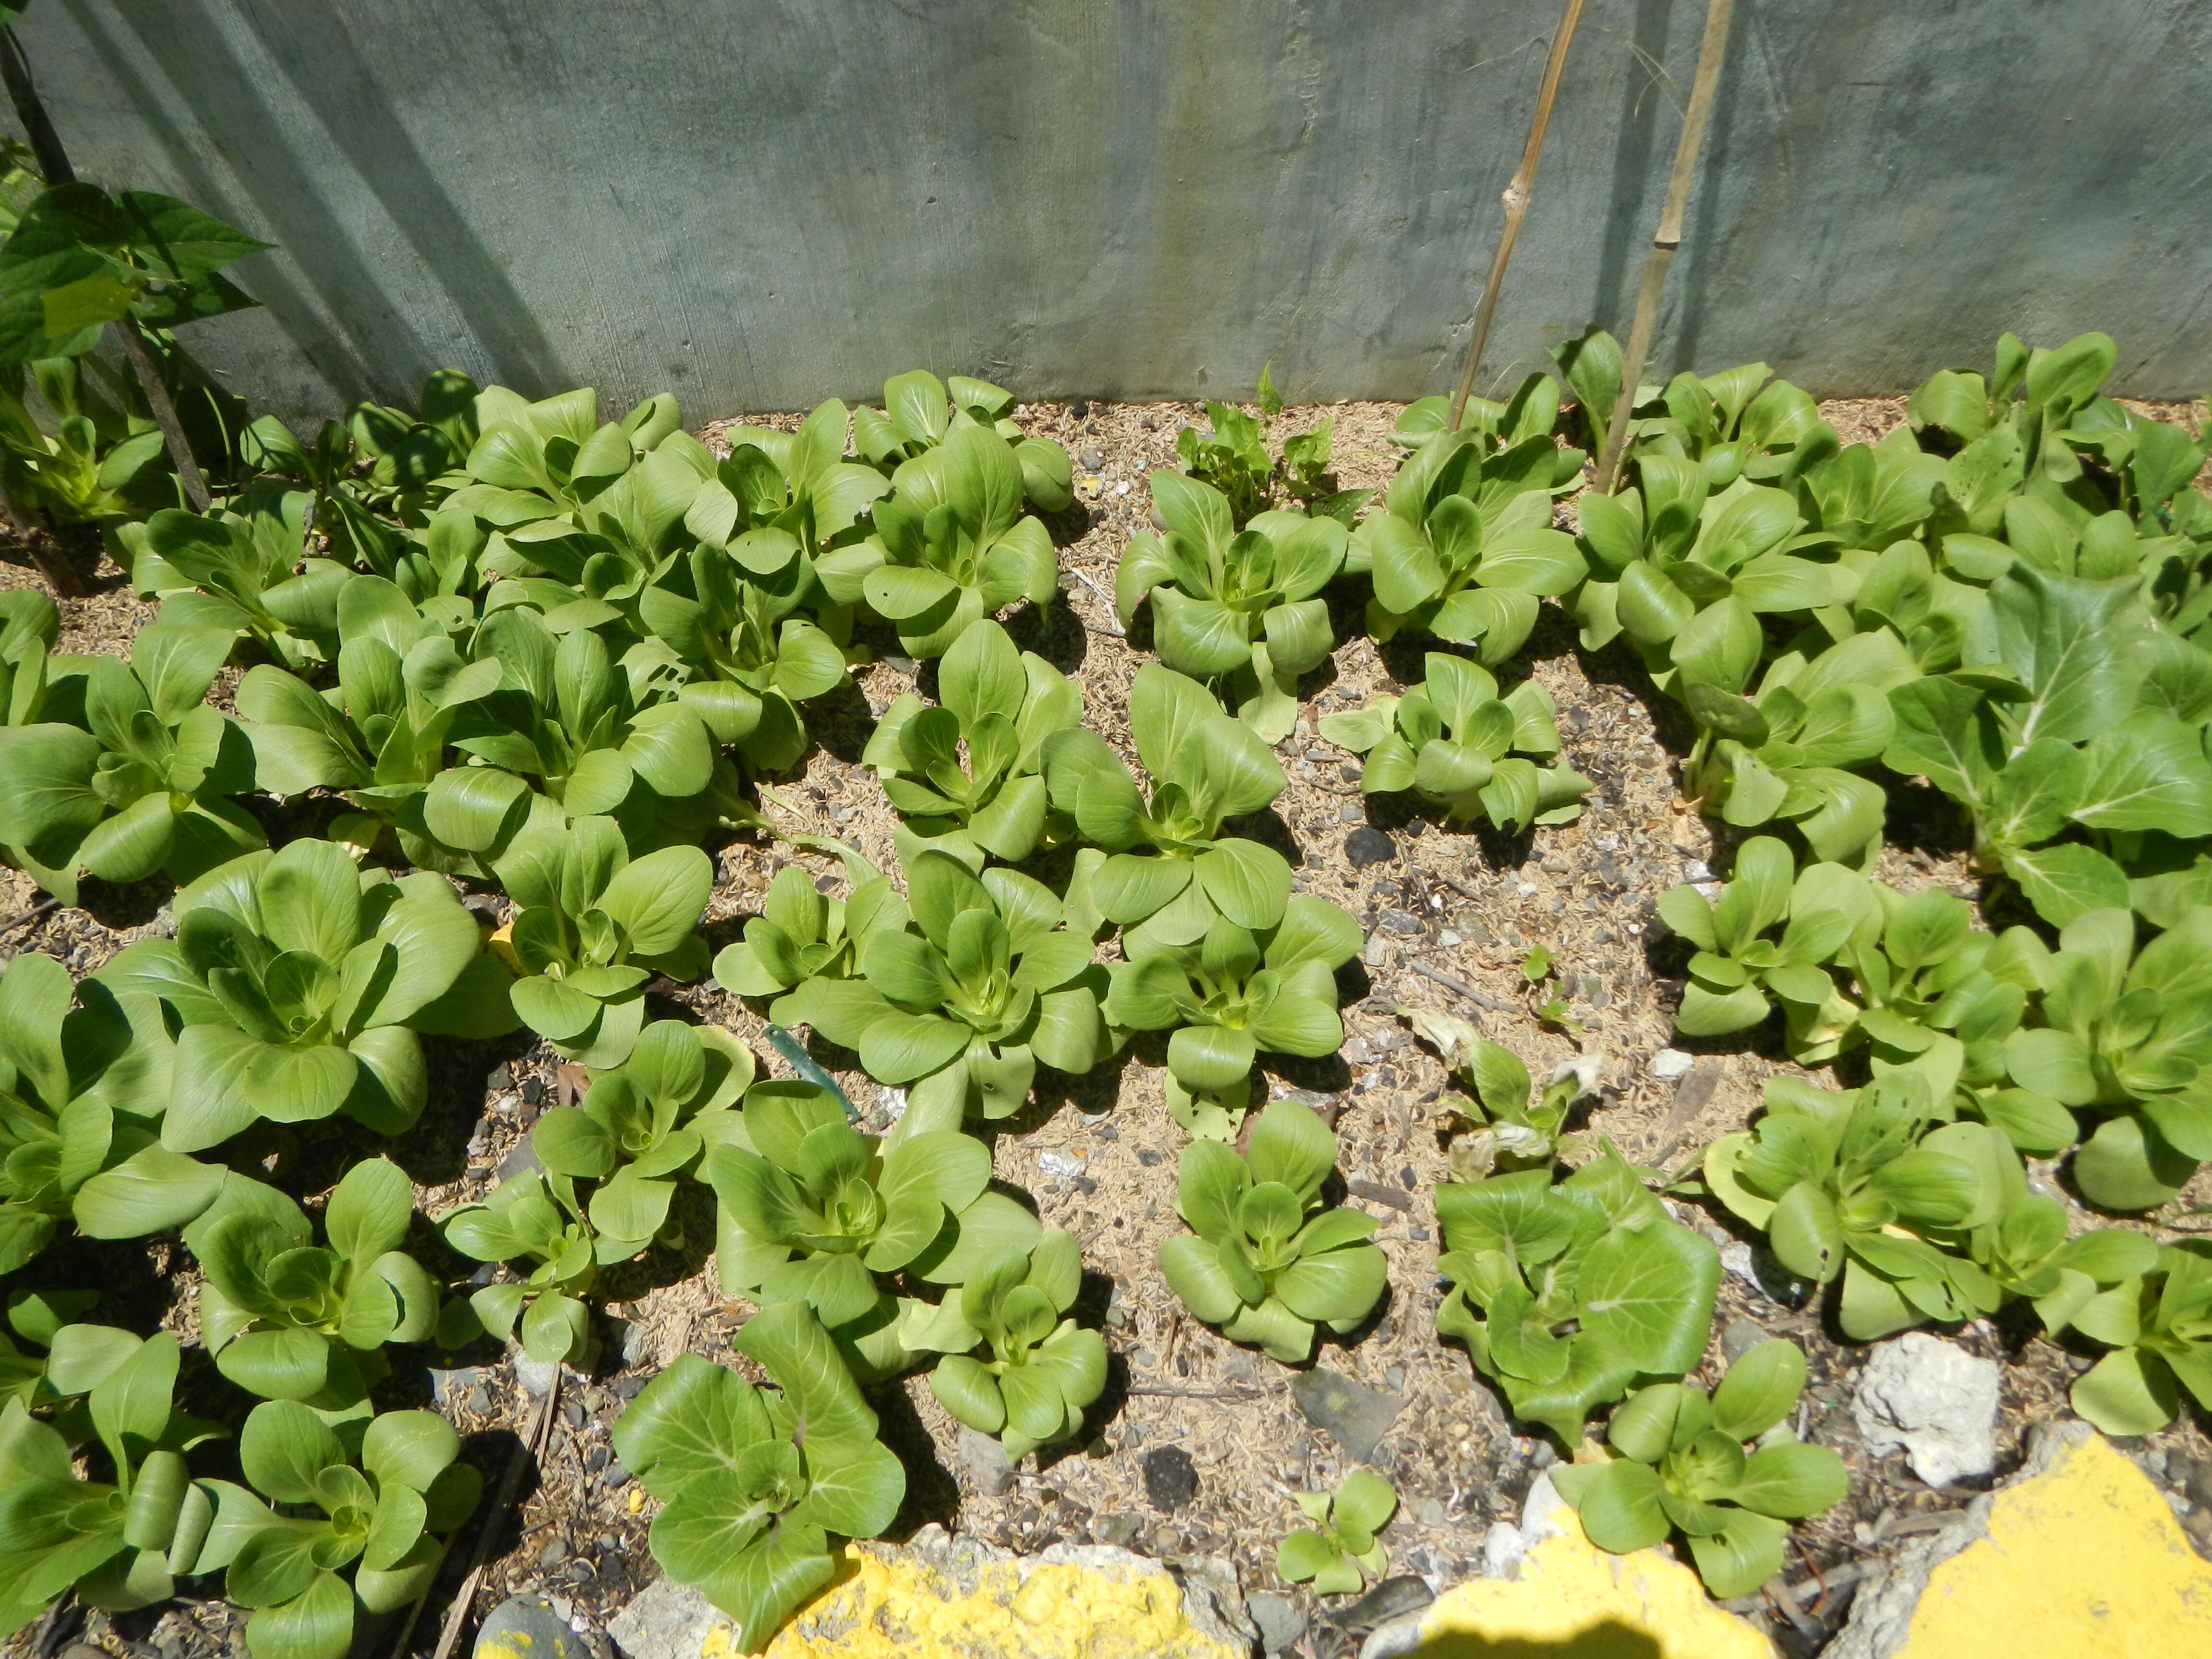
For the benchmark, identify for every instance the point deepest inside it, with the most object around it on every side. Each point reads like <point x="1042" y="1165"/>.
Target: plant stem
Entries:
<point x="1517" y="208"/>
<point x="54" y="166"/>
<point x="45" y="552"/>
<point x="1712" y="51"/>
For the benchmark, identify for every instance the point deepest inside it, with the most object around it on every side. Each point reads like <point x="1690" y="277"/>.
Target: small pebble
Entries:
<point x="1171" y="1479"/>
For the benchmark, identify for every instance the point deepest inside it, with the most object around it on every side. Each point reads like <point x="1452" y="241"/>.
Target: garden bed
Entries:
<point x="1450" y="919"/>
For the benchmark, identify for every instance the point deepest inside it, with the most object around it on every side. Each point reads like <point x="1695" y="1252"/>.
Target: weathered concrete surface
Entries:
<point x="759" y="205"/>
<point x="2080" y="1557"/>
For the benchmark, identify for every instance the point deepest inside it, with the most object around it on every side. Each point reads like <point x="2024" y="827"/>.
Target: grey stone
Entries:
<point x="528" y="1627"/>
<point x="1399" y="921"/>
<point x="536" y="1375"/>
<point x="522" y="1158"/>
<point x="1356" y="1416"/>
<point x="1933" y="1399"/>
<point x="1171" y="1479"/>
<point x="555" y="1552"/>
<point x="480" y="1400"/>
<point x="1670" y="1063"/>
<point x="1367" y="845"/>
<point x="1740" y="1337"/>
<point x="1394" y="1598"/>
<point x="1115" y="1528"/>
<point x="1091" y="459"/>
<point x="635" y="1339"/>
<point x="447" y="1386"/>
<point x="1281" y="1620"/>
<point x="984" y="1461"/>
<point x="666" y="1620"/>
<point x="1428" y="1511"/>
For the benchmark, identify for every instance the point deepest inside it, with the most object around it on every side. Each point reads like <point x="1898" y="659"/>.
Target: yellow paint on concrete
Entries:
<point x="1578" y="1602"/>
<point x="2084" y="1561"/>
<point x="896" y="1608"/>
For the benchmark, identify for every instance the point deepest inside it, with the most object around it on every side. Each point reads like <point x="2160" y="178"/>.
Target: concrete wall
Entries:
<point x="760" y="203"/>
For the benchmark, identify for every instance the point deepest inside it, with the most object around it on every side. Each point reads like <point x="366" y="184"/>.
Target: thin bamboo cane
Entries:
<point x="1712" y="51"/>
<point x="1517" y="208"/>
<point x="54" y="164"/>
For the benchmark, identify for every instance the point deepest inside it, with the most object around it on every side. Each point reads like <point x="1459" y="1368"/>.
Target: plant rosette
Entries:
<point x="2158" y="1321"/>
<point x="1040" y="1370"/>
<point x="136" y="780"/>
<point x="301" y="982"/>
<point x="82" y="1092"/>
<point x="983" y="985"/>
<point x="1242" y="607"/>
<point x="813" y="1210"/>
<point x="1455" y="742"/>
<point x="119" y="1543"/>
<point x="591" y="925"/>
<point x="381" y="1496"/>
<point x="1267" y="1260"/>
<point x="754" y="1481"/>
<point x="971" y="768"/>
<point x="1206" y="768"/>
<point x="1680" y="1463"/>
<point x="243" y="569"/>
<point x="1340" y="1554"/>
<point x="289" y="1318"/>
<point x="802" y="933"/>
<point x="916" y="418"/>
<point x="1231" y="996"/>
<point x="951" y="546"/>
<point x="1853" y="1184"/>
<point x="1511" y="1130"/>
<point x="1567" y="1294"/>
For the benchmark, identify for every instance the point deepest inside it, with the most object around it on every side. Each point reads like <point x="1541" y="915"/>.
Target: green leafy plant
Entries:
<point x="2125" y="1035"/>
<point x="103" y="463"/>
<point x="753" y="1482"/>
<point x="813" y="1210"/>
<point x="1239" y="606"/>
<point x="1042" y="1370"/>
<point x="381" y="736"/>
<point x="381" y="1494"/>
<point x="985" y="983"/>
<point x="591" y="925"/>
<point x="1268" y="1259"/>
<point x="1565" y="1294"/>
<point x="80" y="258"/>
<point x="755" y="659"/>
<point x="2067" y="719"/>
<point x="118" y="1543"/>
<point x="43" y="1320"/>
<point x="1340" y="1553"/>
<point x="1680" y="1464"/>
<point x="950" y="544"/>
<point x="1464" y="548"/>
<point x="641" y="1128"/>
<point x="1231" y="995"/>
<point x="1515" y="1126"/>
<point x="802" y="933"/>
<point x="915" y="419"/>
<point x="287" y="1319"/>
<point x="1740" y="971"/>
<point x="971" y="768"/>
<point x="82" y="1092"/>
<point x="799" y="483"/>
<point x="2158" y="1322"/>
<point x="243" y="568"/>
<point x="138" y="781"/>
<point x="1231" y="456"/>
<point x="300" y="983"/>
<point x="595" y="736"/>
<point x="1848" y="1185"/>
<point x="1206" y="769"/>
<point x="1453" y="740"/>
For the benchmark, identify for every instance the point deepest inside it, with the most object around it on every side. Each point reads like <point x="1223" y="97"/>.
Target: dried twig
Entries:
<point x="1205" y="1394"/>
<point x="31" y="914"/>
<point x="1516" y="208"/>
<point x="1112" y="627"/>
<point x="1712" y="50"/>
<point x="1448" y="982"/>
<point x="533" y="1446"/>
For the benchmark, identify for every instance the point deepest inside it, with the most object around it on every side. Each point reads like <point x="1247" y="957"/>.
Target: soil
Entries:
<point x="1452" y="919"/>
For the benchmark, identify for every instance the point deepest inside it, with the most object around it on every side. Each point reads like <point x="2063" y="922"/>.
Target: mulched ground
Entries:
<point x="1452" y="918"/>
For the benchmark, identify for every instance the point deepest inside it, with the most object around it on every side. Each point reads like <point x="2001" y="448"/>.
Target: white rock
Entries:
<point x="1934" y="1400"/>
<point x="1670" y="1063"/>
<point x="1059" y="1164"/>
<point x="668" y="1620"/>
<point x="1503" y="1549"/>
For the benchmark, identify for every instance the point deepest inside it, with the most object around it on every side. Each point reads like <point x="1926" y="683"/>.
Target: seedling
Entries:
<point x="1341" y="1554"/>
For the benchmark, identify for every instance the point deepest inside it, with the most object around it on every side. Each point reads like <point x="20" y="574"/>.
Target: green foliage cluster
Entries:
<point x="1340" y="1553"/>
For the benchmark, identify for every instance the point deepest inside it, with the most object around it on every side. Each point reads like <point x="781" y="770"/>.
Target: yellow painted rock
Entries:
<point x="1570" y="1600"/>
<point x="941" y="1597"/>
<point x="2079" y="1558"/>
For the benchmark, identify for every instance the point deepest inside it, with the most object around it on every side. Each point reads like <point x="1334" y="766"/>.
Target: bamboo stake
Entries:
<point x="1712" y="50"/>
<point x="54" y="164"/>
<point x="1517" y="208"/>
